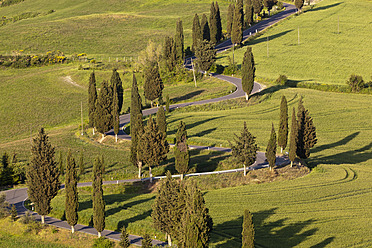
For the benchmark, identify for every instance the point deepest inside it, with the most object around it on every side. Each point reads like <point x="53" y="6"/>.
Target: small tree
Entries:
<point x="205" y="28"/>
<point x="245" y="148"/>
<point x="230" y="19"/>
<point x="92" y="100"/>
<point x="153" y="85"/>
<point x="161" y="121"/>
<point x="299" y="4"/>
<point x="97" y="197"/>
<point x="196" y="32"/>
<point x="72" y="201"/>
<point x="356" y="83"/>
<point x="206" y="55"/>
<point x="13" y="213"/>
<point x="42" y="174"/>
<point x="152" y="146"/>
<point x="181" y="150"/>
<point x="146" y="241"/>
<point x="248" y="230"/>
<point x="248" y="72"/>
<point x="283" y="125"/>
<point x="293" y="138"/>
<point x="124" y="238"/>
<point x="271" y="149"/>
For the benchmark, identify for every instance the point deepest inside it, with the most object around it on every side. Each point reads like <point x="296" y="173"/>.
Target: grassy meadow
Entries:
<point x="323" y="55"/>
<point x="99" y="28"/>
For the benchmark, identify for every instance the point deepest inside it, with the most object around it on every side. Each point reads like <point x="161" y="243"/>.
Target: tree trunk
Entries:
<point x="99" y="234"/>
<point x="72" y="229"/>
<point x="245" y="170"/>
<point x="139" y="169"/>
<point x="291" y="163"/>
<point x="151" y="103"/>
<point x="43" y="219"/>
<point x="281" y="150"/>
<point x="93" y="131"/>
<point x="169" y="240"/>
<point x="116" y="138"/>
<point x="150" y="172"/>
<point x="246" y="96"/>
<point x="181" y="177"/>
<point x="233" y="54"/>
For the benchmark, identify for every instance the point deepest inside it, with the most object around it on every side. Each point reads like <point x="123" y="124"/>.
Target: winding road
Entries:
<point x="18" y="196"/>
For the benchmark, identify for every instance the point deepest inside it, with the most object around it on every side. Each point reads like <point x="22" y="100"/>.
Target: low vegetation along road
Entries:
<point x="18" y="196"/>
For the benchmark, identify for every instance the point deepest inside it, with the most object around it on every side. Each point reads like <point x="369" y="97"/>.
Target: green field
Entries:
<point x="323" y="55"/>
<point x="98" y="27"/>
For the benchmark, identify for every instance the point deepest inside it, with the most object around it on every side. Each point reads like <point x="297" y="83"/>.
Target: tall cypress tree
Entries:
<point x="146" y="241"/>
<point x="124" y="238"/>
<point x="306" y="135"/>
<point x="237" y="26"/>
<point x="213" y="24"/>
<point x="152" y="146"/>
<point x="169" y="207"/>
<point x="181" y="150"/>
<point x="61" y="167"/>
<point x="269" y="4"/>
<point x="42" y="174"/>
<point x="248" y="15"/>
<point x="6" y="171"/>
<point x="245" y="148"/>
<point x="169" y="53"/>
<point x="206" y="55"/>
<point x="92" y="99"/>
<point x="271" y="149"/>
<point x="248" y="72"/>
<point x="248" y="230"/>
<point x="161" y="121"/>
<point x="179" y="42"/>
<point x="81" y="164"/>
<point x="153" y="86"/>
<point x="115" y="80"/>
<point x="97" y="196"/>
<point x="293" y="138"/>
<point x="72" y="201"/>
<point x="135" y="112"/>
<point x="283" y="125"/>
<point x="196" y="221"/>
<point x="115" y="113"/>
<point x="196" y="32"/>
<point x="218" y="21"/>
<point x="230" y="19"/>
<point x="104" y="109"/>
<point x="205" y="28"/>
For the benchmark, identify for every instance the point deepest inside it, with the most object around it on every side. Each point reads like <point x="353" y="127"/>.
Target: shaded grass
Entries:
<point x="323" y="55"/>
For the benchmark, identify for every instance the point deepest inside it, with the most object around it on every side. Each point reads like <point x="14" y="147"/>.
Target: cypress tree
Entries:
<point x="248" y="230"/>
<point x="196" y="32"/>
<point x="61" y="167"/>
<point x="153" y="86"/>
<point x="92" y="99"/>
<point x="13" y="213"/>
<point x="6" y="171"/>
<point x="167" y="103"/>
<point x="152" y="146"/>
<point x="245" y="148"/>
<point x="181" y="150"/>
<point x="205" y="28"/>
<point x="293" y="138"/>
<point x="42" y="174"/>
<point x="169" y="207"/>
<point x="306" y="134"/>
<point x="115" y="80"/>
<point x="3" y="206"/>
<point x="269" y="4"/>
<point x="161" y="121"/>
<point x="179" y="40"/>
<point x="169" y="53"/>
<point x="115" y="113"/>
<point x="218" y="21"/>
<point x="97" y="196"/>
<point x="196" y="221"/>
<point x="271" y="149"/>
<point x="124" y="238"/>
<point x="146" y="241"/>
<point x="248" y="15"/>
<point x="230" y="19"/>
<point x="257" y="7"/>
<point x="72" y="201"/>
<point x="237" y="26"/>
<point x="104" y="109"/>
<point x="205" y="55"/>
<point x="283" y="125"/>
<point x="248" y="72"/>
<point x="299" y="4"/>
<point x="213" y="24"/>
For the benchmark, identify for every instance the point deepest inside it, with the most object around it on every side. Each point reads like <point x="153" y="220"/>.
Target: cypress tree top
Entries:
<point x="230" y="19"/>
<point x="115" y="80"/>
<point x="179" y="42"/>
<point x="237" y="26"/>
<point x="218" y="21"/>
<point x="205" y="28"/>
<point x="213" y="24"/>
<point x="248" y="72"/>
<point x="196" y="32"/>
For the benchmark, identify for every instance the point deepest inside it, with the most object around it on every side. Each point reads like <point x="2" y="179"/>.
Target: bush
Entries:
<point x="356" y="83"/>
<point x="281" y="80"/>
<point x="102" y="242"/>
<point x="34" y="227"/>
<point x="279" y="5"/>
<point x="27" y="218"/>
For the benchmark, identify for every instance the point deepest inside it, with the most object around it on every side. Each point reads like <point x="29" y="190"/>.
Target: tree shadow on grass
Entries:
<point x="189" y="126"/>
<point x="115" y="198"/>
<point x="267" y="233"/>
<point x="264" y="39"/>
<point x="138" y="217"/>
<point x="324" y="7"/>
<point x="341" y="142"/>
<point x="188" y="96"/>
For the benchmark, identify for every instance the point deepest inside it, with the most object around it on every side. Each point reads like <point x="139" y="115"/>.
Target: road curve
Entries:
<point x="18" y="196"/>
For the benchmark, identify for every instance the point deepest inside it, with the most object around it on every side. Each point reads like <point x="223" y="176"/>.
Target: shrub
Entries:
<point x="281" y="80"/>
<point x="102" y="242"/>
<point x="356" y="83"/>
<point x="27" y="218"/>
<point x="3" y="206"/>
<point x="279" y="5"/>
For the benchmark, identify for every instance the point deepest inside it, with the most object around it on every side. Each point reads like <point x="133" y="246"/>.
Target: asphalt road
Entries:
<point x="18" y="196"/>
